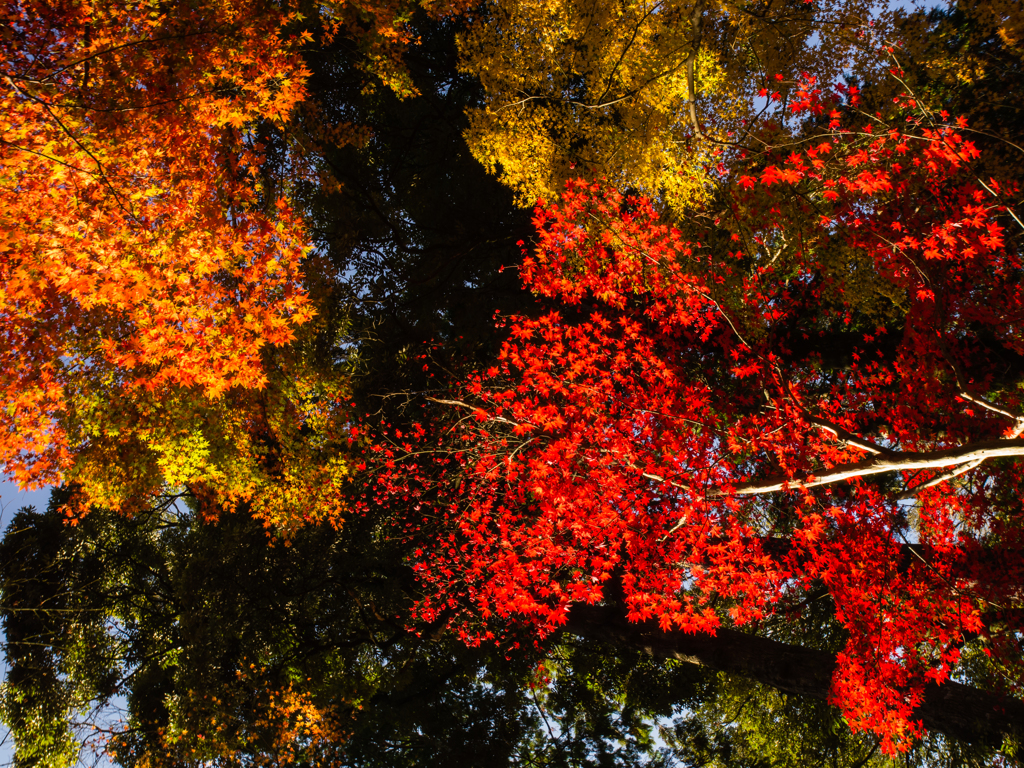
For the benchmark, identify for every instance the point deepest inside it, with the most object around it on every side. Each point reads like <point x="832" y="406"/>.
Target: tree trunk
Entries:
<point x="959" y="711"/>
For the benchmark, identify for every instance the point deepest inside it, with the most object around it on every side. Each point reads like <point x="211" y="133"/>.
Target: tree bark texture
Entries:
<point x="888" y="462"/>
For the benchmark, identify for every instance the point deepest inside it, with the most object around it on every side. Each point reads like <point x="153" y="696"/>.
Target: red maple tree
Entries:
<point x="718" y="426"/>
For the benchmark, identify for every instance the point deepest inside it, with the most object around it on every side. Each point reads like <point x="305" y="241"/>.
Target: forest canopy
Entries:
<point x="539" y="383"/>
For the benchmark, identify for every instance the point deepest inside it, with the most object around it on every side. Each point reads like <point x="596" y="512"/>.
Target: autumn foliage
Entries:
<point x="718" y="428"/>
<point x="251" y="720"/>
<point x="639" y="93"/>
<point x="758" y="361"/>
<point x="136" y="255"/>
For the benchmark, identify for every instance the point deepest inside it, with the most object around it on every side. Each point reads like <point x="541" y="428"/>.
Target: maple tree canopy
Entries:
<point x="135" y="258"/>
<point x="643" y="94"/>
<point x="349" y="451"/>
<point x="151" y="256"/>
<point x="675" y="425"/>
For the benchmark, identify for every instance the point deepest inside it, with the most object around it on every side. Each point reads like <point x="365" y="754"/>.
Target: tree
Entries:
<point x="151" y="161"/>
<point x="644" y="94"/>
<point x="680" y="424"/>
<point x="227" y="650"/>
<point x="411" y="240"/>
<point x="222" y="647"/>
<point x="136" y="255"/>
<point x="968" y="61"/>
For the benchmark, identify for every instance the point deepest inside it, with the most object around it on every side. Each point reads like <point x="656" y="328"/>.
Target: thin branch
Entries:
<point x="112" y="49"/>
<point x="691" y="62"/>
<point x="961" y="383"/>
<point x="45" y="156"/>
<point x="460" y="404"/>
<point x="1008" y="209"/>
<point x="849" y="438"/>
<point x="912" y="493"/>
<point x="101" y="173"/>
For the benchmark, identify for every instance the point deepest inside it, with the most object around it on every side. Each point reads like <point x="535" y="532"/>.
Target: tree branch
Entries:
<point x="890" y="462"/>
<point x="691" y="62"/>
<point x="848" y="437"/>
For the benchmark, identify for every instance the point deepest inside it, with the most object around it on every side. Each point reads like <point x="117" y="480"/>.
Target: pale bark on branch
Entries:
<point x="882" y="464"/>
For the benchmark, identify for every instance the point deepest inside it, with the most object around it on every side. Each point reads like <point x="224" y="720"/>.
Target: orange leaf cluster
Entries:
<point x="254" y="719"/>
<point x="136" y="253"/>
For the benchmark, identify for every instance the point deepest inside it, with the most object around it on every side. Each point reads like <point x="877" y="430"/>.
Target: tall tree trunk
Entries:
<point x="959" y="711"/>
